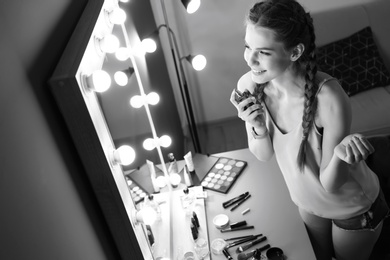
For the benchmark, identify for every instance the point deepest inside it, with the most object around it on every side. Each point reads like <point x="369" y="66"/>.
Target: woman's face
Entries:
<point x="264" y="55"/>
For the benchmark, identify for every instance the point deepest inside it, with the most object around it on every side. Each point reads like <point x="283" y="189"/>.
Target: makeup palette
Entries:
<point x="223" y="174"/>
<point x="137" y="192"/>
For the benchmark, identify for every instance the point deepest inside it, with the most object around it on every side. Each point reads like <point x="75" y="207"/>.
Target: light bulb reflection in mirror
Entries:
<point x="109" y="43"/>
<point x="124" y="155"/>
<point x="122" y="53"/>
<point x="148" y="45"/>
<point x="137" y="101"/>
<point x="199" y="62"/>
<point x="146" y="215"/>
<point x="149" y="144"/>
<point x="117" y="16"/>
<point x="121" y="78"/>
<point x="99" y="81"/>
<point x="152" y="98"/>
<point x="165" y="141"/>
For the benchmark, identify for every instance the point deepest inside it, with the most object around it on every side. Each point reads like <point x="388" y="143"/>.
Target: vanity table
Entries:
<point x="271" y="211"/>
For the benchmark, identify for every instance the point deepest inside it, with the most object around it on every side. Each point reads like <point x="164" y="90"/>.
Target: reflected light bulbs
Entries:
<point x="193" y="6"/>
<point x="149" y="45"/>
<point x="122" y="53"/>
<point x="121" y="78"/>
<point x="117" y="16"/>
<point x="152" y="98"/>
<point x="199" y="62"/>
<point x="124" y="155"/>
<point x="165" y="141"/>
<point x="99" y="81"/>
<point x="149" y="144"/>
<point x="175" y="179"/>
<point x="137" y="101"/>
<point x="146" y="215"/>
<point x="108" y="43"/>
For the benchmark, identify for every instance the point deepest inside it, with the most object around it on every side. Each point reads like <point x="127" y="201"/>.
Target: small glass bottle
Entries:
<point x="173" y="167"/>
<point x="150" y="202"/>
<point x="187" y="201"/>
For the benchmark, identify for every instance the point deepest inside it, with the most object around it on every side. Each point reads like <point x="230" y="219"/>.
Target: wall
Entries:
<point x="217" y="31"/>
<point x="48" y="210"/>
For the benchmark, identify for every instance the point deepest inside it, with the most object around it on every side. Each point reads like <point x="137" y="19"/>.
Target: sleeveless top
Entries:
<point x="351" y="199"/>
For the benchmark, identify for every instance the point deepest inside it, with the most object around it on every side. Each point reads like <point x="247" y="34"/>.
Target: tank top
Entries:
<point x="352" y="198"/>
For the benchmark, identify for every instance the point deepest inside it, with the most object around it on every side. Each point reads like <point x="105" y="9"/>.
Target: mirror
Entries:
<point x="92" y="124"/>
<point x="74" y="85"/>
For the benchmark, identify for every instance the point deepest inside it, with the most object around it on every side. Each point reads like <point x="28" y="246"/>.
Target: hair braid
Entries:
<point x="310" y="103"/>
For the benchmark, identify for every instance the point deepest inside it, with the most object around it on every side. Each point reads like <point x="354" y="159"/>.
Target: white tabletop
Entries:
<point x="271" y="210"/>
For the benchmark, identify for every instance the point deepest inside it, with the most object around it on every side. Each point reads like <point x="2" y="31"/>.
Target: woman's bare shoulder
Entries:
<point x="332" y="99"/>
<point x="246" y="82"/>
<point x="330" y="88"/>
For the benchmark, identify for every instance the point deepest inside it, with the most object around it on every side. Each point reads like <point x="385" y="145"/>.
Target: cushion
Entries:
<point x="355" y="61"/>
<point x="370" y="112"/>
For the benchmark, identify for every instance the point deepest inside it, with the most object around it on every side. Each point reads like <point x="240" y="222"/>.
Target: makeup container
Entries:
<point x="221" y="221"/>
<point x="152" y="171"/>
<point x="189" y="162"/>
<point x="217" y="245"/>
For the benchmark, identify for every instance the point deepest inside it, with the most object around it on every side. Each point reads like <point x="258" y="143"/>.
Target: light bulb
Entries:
<point x="99" y="81"/>
<point x="161" y="182"/>
<point x="149" y="45"/>
<point x="147" y="215"/>
<point x="193" y="6"/>
<point x="153" y="98"/>
<point x="124" y="155"/>
<point x="199" y="62"/>
<point x="165" y="141"/>
<point x="122" y="53"/>
<point x="109" y="43"/>
<point x="137" y="101"/>
<point x="149" y="144"/>
<point x="175" y="179"/>
<point x="117" y="16"/>
<point x="121" y="78"/>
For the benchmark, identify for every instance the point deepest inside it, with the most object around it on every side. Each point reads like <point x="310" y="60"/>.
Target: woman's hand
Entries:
<point x="354" y="148"/>
<point x="250" y="111"/>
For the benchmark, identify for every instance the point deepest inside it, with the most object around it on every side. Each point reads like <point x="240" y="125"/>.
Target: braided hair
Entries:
<point x="292" y="26"/>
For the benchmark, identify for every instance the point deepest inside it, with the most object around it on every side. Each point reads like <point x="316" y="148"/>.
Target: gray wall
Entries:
<point x="47" y="208"/>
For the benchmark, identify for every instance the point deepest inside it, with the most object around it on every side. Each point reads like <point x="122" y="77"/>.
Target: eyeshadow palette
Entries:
<point x="137" y="192"/>
<point x="223" y="174"/>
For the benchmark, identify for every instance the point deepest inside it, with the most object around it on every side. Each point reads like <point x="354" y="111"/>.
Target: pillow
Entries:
<point x="355" y="61"/>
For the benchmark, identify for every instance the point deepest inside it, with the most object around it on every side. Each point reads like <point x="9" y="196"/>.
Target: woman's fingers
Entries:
<point x="367" y="144"/>
<point x="348" y="154"/>
<point x="356" y="151"/>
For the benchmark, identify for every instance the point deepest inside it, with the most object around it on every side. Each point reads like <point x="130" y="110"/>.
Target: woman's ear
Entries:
<point x="297" y="52"/>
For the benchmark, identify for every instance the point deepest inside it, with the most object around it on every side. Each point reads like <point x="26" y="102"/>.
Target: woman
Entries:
<point x="303" y="117"/>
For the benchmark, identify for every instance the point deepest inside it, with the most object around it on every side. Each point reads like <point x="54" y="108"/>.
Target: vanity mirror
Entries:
<point x="86" y="72"/>
<point x="90" y="77"/>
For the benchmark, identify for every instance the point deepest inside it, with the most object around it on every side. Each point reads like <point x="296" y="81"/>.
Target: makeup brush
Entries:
<point x="244" y="256"/>
<point x="250" y="244"/>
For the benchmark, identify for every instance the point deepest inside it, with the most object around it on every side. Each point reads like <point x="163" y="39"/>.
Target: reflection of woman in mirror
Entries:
<point x="303" y="117"/>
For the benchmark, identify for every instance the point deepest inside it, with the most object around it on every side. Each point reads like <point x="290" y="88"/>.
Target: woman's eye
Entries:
<point x="264" y="53"/>
<point x="246" y="46"/>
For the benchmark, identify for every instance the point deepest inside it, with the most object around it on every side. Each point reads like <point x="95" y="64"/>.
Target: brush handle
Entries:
<point x="250" y="244"/>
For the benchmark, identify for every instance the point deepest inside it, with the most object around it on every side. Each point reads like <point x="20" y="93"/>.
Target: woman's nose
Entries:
<point x="251" y="59"/>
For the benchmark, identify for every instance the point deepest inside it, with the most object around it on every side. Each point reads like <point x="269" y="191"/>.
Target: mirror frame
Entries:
<point x="94" y="143"/>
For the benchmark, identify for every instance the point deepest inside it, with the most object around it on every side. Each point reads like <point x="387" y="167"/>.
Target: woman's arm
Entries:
<point x="339" y="148"/>
<point x="259" y="141"/>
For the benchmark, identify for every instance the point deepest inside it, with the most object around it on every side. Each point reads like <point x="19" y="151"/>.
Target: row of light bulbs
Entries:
<point x="100" y="80"/>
